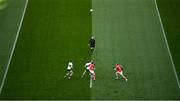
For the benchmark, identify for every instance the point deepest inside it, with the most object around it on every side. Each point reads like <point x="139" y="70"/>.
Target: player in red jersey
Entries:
<point x="91" y="70"/>
<point x="119" y="71"/>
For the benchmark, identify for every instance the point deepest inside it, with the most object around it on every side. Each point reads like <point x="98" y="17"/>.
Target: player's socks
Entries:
<point x="94" y="77"/>
<point x="125" y="78"/>
<point x="65" y="76"/>
<point x="116" y="78"/>
<point x="82" y="76"/>
<point x="71" y="74"/>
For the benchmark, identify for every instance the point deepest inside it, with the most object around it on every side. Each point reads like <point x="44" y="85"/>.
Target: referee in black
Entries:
<point x="92" y="44"/>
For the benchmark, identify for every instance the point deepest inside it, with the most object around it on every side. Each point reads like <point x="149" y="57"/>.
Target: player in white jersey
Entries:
<point x="86" y="68"/>
<point x="69" y="70"/>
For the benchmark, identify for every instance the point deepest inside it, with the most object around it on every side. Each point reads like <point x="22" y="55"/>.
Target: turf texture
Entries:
<point x="170" y="15"/>
<point x="127" y="32"/>
<point x="53" y="32"/>
<point x="10" y="16"/>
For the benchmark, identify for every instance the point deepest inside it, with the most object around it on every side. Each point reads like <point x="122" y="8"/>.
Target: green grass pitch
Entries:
<point x="127" y="32"/>
<point x="10" y="16"/>
<point x="169" y="10"/>
<point x="53" y="32"/>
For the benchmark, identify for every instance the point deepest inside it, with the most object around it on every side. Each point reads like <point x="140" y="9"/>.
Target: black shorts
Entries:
<point x="69" y="70"/>
<point x="93" y="46"/>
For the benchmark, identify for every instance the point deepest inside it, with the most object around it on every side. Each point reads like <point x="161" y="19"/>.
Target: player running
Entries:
<point x="69" y="70"/>
<point x="91" y="70"/>
<point x="87" y="65"/>
<point x="119" y="71"/>
<point x="92" y="43"/>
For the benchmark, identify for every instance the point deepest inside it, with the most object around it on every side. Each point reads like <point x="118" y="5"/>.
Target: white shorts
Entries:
<point x="69" y="68"/>
<point x="87" y="68"/>
<point x="120" y="73"/>
<point x="92" y="71"/>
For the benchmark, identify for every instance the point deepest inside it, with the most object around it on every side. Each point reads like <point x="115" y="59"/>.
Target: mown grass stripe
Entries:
<point x="13" y="48"/>
<point x="167" y="44"/>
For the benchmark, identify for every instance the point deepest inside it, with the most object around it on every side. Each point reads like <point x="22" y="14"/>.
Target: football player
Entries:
<point x="69" y="70"/>
<point x="92" y="43"/>
<point x="119" y="71"/>
<point x="87" y="65"/>
<point x="91" y="70"/>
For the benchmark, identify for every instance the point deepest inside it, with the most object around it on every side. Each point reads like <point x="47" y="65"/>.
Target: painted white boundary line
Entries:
<point x="13" y="48"/>
<point x="91" y="81"/>
<point x="157" y="9"/>
<point x="90" y="85"/>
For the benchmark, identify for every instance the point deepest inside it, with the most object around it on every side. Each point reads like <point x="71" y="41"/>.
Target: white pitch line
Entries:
<point x="13" y="48"/>
<point x="90" y="85"/>
<point x="157" y="9"/>
<point x="91" y="81"/>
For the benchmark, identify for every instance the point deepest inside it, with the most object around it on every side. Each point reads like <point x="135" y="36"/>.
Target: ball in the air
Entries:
<point x="91" y="10"/>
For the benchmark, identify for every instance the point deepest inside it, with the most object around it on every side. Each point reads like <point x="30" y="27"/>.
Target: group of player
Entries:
<point x="90" y="66"/>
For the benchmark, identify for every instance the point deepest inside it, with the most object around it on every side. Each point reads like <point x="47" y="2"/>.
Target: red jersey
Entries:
<point x="91" y="67"/>
<point x="118" y="68"/>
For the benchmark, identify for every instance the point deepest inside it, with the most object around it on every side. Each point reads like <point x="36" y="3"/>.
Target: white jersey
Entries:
<point x="87" y="65"/>
<point x="70" y="66"/>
